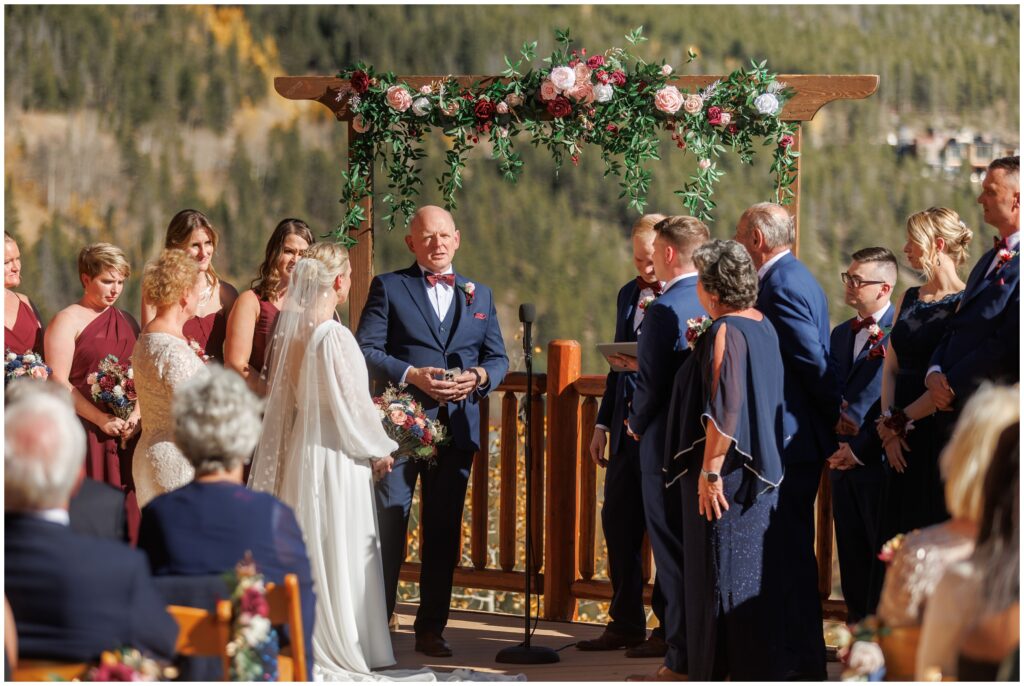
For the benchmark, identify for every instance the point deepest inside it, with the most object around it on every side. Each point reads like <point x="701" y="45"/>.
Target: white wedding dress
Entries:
<point x="160" y="362"/>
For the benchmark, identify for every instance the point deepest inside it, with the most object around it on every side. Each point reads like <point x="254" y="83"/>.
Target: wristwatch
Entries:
<point x="712" y="477"/>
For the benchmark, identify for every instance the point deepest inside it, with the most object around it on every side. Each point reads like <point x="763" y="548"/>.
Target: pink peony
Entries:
<point x="582" y="74"/>
<point x="668" y="100"/>
<point x="563" y="78"/>
<point x="714" y="116"/>
<point x="582" y="92"/>
<point x="398" y="98"/>
<point x="548" y="91"/>
<point x="693" y="104"/>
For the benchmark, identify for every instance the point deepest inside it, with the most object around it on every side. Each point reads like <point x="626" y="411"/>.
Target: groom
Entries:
<point x="418" y="323"/>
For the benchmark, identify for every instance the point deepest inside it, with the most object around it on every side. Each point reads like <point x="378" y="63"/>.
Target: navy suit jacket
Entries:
<point x="860" y="382"/>
<point x="619" y="386"/>
<point x="982" y="340"/>
<point x="75" y="596"/>
<point x="796" y="306"/>
<point x="398" y="328"/>
<point x="97" y="509"/>
<point x="206" y="528"/>
<point x="661" y="351"/>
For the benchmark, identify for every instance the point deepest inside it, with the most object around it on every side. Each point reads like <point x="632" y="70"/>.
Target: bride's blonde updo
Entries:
<point x="332" y="260"/>
<point x="923" y="228"/>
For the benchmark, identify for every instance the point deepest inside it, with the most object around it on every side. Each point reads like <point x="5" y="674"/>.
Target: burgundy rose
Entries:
<point x="611" y="128"/>
<point x="785" y="141"/>
<point x="602" y="76"/>
<point x="714" y="116"/>
<point x="360" y="81"/>
<point x="254" y="602"/>
<point x="573" y="63"/>
<point x="484" y="110"/>
<point x="733" y="129"/>
<point x="619" y="77"/>
<point x="107" y="383"/>
<point x="559" y="107"/>
<point x="595" y="61"/>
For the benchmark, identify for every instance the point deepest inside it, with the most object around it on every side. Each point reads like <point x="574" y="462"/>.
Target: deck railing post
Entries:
<point x="564" y="363"/>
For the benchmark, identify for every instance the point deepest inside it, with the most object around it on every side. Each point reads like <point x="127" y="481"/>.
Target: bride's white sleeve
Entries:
<point x="346" y="378"/>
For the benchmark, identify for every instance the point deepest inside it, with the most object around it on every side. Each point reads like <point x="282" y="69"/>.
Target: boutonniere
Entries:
<point x="1003" y="257"/>
<point x="469" y="288"/>
<point x="875" y="336"/>
<point x="646" y="302"/>
<point x="694" y="329"/>
<point x="194" y="346"/>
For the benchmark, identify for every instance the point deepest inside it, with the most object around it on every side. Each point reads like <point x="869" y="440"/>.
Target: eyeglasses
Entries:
<point x="856" y="282"/>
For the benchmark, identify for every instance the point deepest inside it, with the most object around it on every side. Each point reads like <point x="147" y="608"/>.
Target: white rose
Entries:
<point x="420" y="107"/>
<point x="29" y="358"/>
<point x="866" y="657"/>
<point x="603" y="92"/>
<point x="766" y="103"/>
<point x="563" y="78"/>
<point x="118" y="392"/>
<point x="95" y="389"/>
<point x="666" y="70"/>
<point x="131" y="373"/>
<point x="11" y="357"/>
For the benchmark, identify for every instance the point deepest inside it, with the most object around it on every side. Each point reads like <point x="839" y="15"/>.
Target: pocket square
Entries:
<point x="480" y="315"/>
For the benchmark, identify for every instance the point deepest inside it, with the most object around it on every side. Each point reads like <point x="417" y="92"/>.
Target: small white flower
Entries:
<point x="666" y="70"/>
<point x="563" y="78"/>
<point x="874" y="331"/>
<point x="704" y="163"/>
<point x="603" y="92"/>
<point x="776" y="87"/>
<point x="726" y="119"/>
<point x="131" y="373"/>
<point x="502" y="132"/>
<point x="426" y="90"/>
<point x="354" y="101"/>
<point x="766" y="104"/>
<point x="11" y="357"/>
<point x="95" y="389"/>
<point x="470" y="287"/>
<point x="421" y="107"/>
<point x="29" y="358"/>
<point x="118" y="392"/>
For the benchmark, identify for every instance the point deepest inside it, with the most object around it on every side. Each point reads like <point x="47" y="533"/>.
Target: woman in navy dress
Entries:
<point x="726" y="443"/>
<point x="913" y="496"/>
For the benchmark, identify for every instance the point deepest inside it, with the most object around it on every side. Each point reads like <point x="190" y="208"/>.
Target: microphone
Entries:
<point x="527" y="313"/>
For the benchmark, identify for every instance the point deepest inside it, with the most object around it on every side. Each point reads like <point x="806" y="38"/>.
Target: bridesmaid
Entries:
<point x="77" y="340"/>
<point x="253" y="316"/>
<point x="191" y="231"/>
<point x="23" y="331"/>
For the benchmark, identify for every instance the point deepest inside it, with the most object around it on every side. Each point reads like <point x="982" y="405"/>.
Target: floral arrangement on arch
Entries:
<point x="613" y="100"/>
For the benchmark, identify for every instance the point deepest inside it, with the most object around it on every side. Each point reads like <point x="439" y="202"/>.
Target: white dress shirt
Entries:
<point x="768" y="265"/>
<point x="638" y="315"/>
<point x="862" y="336"/>
<point x="440" y="297"/>
<point x="54" y="515"/>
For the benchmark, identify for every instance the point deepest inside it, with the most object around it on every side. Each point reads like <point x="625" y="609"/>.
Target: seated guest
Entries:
<point x="208" y="525"/>
<point x="976" y="606"/>
<point x="926" y="553"/>
<point x="72" y="596"/>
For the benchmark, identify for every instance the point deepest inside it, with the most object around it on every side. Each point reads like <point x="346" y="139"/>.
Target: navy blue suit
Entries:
<point x="206" y="528"/>
<point x="983" y="338"/>
<point x="399" y="328"/>
<point x="661" y="352"/>
<point x="74" y="596"/>
<point x="622" y="514"/>
<point x="796" y="306"/>
<point x="97" y="509"/>
<point x="857" y="492"/>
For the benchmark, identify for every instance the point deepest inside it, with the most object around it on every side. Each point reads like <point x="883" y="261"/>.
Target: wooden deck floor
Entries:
<point x="476" y="637"/>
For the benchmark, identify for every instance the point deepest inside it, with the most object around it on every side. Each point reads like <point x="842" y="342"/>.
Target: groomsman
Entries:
<point x="662" y="349"/>
<point x="622" y="515"/>
<point x="982" y="340"/>
<point x="797" y="308"/>
<point x="857" y="352"/>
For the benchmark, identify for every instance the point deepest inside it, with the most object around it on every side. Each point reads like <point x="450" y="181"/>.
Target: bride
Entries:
<point x="322" y="443"/>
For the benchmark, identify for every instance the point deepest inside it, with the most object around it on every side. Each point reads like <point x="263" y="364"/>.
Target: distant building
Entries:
<point x="948" y="151"/>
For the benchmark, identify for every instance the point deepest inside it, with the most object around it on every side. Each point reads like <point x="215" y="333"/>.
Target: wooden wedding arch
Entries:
<point x="564" y="540"/>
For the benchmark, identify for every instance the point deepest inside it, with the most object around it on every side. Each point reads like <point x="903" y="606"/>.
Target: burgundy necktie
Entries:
<point x="434" y="279"/>
<point x="999" y="243"/>
<point x="862" y="324"/>
<point x="655" y="286"/>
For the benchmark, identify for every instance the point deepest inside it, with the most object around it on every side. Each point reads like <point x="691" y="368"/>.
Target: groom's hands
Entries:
<point x="431" y="381"/>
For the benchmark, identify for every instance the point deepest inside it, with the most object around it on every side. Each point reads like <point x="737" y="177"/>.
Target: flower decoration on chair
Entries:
<point x="26" y="366"/>
<point x="254" y="645"/>
<point x="612" y="99"/>
<point x="406" y="423"/>
<point x="128" y="664"/>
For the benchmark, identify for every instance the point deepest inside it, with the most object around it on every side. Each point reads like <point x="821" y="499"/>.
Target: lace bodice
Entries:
<point x="919" y="564"/>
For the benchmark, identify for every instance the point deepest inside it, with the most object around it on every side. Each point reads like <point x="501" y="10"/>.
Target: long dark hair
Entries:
<point x="268" y="280"/>
<point x="997" y="553"/>
<point x="180" y="229"/>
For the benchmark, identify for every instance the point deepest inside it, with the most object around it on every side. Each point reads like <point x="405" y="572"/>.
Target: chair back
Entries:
<point x="286" y="608"/>
<point x="201" y="592"/>
<point x="202" y="633"/>
<point x="49" y="670"/>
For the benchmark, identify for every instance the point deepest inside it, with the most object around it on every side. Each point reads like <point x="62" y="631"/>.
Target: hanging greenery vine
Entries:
<point x="613" y="100"/>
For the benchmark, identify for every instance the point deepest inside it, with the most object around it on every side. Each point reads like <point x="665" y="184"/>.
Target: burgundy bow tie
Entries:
<point x="999" y="243"/>
<point x="434" y="279"/>
<point x="642" y="285"/>
<point x="862" y="324"/>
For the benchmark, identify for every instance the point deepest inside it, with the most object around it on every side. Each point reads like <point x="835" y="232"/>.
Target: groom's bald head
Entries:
<point x="433" y="237"/>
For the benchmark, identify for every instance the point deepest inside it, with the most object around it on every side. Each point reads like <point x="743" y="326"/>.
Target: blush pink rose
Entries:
<point x="359" y="124"/>
<point x="39" y="373"/>
<point x="548" y="91"/>
<point x="563" y="78"/>
<point x="704" y="163"/>
<point x="582" y="93"/>
<point x="726" y="118"/>
<point x="502" y="107"/>
<point x="693" y="104"/>
<point x="668" y="100"/>
<point x="398" y="98"/>
<point x="582" y="72"/>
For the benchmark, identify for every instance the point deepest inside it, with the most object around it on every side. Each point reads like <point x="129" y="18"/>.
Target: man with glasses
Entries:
<point x="857" y="353"/>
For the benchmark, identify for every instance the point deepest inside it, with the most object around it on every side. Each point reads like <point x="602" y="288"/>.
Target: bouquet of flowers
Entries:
<point x="859" y="650"/>
<point x="406" y="423"/>
<point x="200" y="352"/>
<point x="113" y="385"/>
<point x="128" y="664"/>
<point x="254" y="644"/>
<point x="27" y="366"/>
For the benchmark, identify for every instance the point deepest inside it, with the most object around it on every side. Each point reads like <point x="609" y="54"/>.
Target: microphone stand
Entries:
<point x="524" y="653"/>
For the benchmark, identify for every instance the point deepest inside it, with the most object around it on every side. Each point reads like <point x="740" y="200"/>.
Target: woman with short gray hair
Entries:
<point x="724" y="425"/>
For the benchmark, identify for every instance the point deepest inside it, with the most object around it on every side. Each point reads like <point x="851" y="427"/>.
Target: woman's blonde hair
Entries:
<point x="333" y="259"/>
<point x="169" y="277"/>
<point x="97" y="258"/>
<point x="645" y="225"/>
<point x="924" y="227"/>
<point x="968" y="454"/>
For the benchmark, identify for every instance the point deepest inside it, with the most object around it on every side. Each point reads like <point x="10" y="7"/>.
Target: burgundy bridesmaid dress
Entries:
<point x="209" y="332"/>
<point x="260" y="336"/>
<point x="111" y="333"/>
<point x="27" y="334"/>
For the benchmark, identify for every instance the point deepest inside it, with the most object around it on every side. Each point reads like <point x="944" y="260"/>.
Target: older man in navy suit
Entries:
<point x="419" y="323"/>
<point x="796" y="306"/>
<point x="622" y="515"/>
<point x="72" y="596"/>
<point x="983" y="338"/>
<point x="661" y="351"/>
<point x="857" y="351"/>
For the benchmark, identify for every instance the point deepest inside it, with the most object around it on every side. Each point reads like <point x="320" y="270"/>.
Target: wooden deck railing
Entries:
<point x="564" y="408"/>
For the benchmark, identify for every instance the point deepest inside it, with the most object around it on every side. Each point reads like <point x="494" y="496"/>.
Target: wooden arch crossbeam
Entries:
<point x="812" y="92"/>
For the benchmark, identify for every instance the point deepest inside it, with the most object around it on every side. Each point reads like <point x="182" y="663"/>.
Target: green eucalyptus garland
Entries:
<point x="613" y="100"/>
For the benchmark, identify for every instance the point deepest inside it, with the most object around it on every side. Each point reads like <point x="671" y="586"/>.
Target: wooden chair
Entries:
<point x="286" y="608"/>
<point x="48" y="670"/>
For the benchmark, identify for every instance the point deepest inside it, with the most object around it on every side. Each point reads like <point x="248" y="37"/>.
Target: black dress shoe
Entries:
<point x="610" y="640"/>
<point x="433" y="645"/>
<point x="654" y="646"/>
